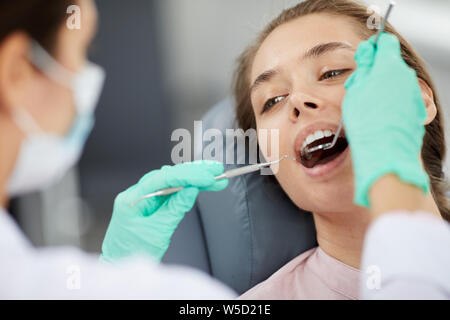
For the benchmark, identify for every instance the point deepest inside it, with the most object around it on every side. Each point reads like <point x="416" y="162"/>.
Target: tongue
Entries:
<point x="324" y="156"/>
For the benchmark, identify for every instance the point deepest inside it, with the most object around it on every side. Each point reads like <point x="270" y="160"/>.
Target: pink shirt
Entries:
<point x="312" y="275"/>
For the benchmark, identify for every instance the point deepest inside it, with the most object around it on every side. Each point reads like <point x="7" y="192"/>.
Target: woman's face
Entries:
<point x="298" y="78"/>
<point x="48" y="102"/>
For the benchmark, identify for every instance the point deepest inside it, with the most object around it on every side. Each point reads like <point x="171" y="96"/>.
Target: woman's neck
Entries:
<point x="341" y="235"/>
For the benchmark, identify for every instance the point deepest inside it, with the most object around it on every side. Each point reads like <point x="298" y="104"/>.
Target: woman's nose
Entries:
<point x="302" y="105"/>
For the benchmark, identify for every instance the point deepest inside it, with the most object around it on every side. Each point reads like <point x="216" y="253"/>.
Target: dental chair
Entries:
<point x="244" y="234"/>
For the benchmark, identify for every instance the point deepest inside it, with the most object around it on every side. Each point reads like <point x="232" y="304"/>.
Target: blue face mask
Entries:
<point x="44" y="157"/>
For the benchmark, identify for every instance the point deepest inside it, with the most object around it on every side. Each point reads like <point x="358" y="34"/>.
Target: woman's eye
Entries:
<point x="271" y="102"/>
<point x="333" y="73"/>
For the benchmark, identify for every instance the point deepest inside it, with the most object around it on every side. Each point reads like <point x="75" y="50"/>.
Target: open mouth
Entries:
<point x="320" y="157"/>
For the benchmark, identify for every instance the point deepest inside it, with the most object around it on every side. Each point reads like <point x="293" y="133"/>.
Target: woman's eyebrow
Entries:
<point x="323" y="48"/>
<point x="314" y="52"/>
<point x="266" y="76"/>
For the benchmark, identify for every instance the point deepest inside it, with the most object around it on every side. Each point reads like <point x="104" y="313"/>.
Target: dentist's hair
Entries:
<point x="434" y="146"/>
<point x="40" y="19"/>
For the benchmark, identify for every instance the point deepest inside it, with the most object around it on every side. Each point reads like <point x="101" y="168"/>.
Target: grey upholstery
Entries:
<point x="245" y="233"/>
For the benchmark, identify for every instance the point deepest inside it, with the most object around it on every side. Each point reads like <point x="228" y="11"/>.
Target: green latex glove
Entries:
<point x="384" y="116"/>
<point x="146" y="229"/>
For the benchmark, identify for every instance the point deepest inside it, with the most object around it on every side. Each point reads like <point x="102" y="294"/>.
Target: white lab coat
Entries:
<point x="405" y="256"/>
<point x="68" y="273"/>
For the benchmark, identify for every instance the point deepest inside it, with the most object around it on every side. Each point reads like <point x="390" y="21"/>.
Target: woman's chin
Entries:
<point x="334" y="196"/>
<point x="332" y="192"/>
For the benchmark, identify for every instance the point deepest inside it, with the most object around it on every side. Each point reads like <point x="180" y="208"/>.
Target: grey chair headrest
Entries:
<point x="252" y="228"/>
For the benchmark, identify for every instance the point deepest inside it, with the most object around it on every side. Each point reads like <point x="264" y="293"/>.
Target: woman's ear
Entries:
<point x="428" y="98"/>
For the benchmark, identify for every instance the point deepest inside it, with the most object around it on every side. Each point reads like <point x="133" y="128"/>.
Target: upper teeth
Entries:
<point x="319" y="134"/>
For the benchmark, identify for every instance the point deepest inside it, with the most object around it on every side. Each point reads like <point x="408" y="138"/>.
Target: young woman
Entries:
<point x="294" y="79"/>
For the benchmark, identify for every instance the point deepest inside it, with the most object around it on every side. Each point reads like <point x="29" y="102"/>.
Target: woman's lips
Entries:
<point x="323" y="170"/>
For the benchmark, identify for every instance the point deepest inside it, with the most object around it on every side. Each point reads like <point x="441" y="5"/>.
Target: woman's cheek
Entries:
<point x="270" y="139"/>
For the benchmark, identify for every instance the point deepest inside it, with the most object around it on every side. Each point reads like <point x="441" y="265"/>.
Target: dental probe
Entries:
<point x="226" y="175"/>
<point x="330" y="145"/>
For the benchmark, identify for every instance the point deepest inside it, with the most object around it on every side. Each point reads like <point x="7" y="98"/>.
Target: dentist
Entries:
<point x="48" y="93"/>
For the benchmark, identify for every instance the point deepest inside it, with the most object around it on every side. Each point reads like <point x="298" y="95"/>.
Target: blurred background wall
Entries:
<point x="168" y="62"/>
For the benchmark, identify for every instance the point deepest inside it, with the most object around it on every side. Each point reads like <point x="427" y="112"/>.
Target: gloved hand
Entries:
<point x="147" y="228"/>
<point x="384" y="116"/>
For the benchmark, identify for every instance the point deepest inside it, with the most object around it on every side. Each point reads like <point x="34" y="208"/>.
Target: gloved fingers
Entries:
<point x="216" y="169"/>
<point x="388" y="46"/>
<point x="147" y="206"/>
<point x="200" y="174"/>
<point x="171" y="211"/>
<point x="365" y="54"/>
<point x="180" y="203"/>
<point x="389" y="55"/>
<point x="364" y="57"/>
<point x="351" y="80"/>
<point x="126" y="197"/>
